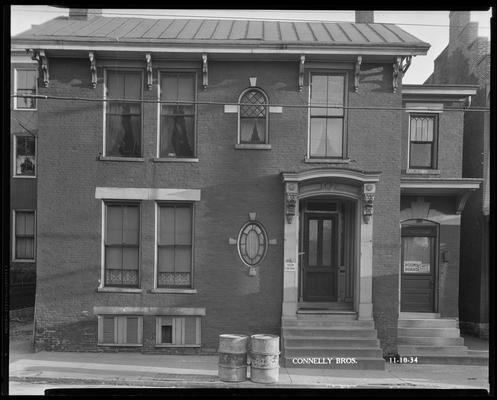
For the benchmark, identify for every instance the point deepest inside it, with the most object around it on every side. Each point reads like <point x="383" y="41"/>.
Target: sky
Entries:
<point x="428" y="26"/>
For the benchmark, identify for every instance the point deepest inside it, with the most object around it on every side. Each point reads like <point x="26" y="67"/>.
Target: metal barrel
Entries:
<point x="264" y="357"/>
<point x="232" y="350"/>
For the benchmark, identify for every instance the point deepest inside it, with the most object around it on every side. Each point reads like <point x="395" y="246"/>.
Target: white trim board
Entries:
<point x="147" y="194"/>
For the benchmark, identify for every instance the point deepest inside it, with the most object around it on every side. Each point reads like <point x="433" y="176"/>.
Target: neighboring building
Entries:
<point x="24" y="132"/>
<point x="466" y="60"/>
<point x="233" y="206"/>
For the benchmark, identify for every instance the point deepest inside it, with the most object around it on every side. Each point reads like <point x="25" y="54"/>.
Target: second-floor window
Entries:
<point x="253" y="120"/>
<point x="326" y="136"/>
<point x="25" y="155"/>
<point x="177" y="120"/>
<point x="423" y="141"/>
<point x="25" y="85"/>
<point x="123" y="130"/>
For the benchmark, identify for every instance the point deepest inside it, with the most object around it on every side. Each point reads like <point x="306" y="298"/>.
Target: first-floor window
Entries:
<point x="178" y="331"/>
<point x="25" y="155"/>
<point x="174" y="245"/>
<point x="24" y="235"/>
<point x="122" y="244"/>
<point x="124" y="330"/>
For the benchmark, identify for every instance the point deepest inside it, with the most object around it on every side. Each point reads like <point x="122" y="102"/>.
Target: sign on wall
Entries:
<point x="416" y="267"/>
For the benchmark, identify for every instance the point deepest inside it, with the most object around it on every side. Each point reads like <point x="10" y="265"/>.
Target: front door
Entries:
<point x="418" y="268"/>
<point x="319" y="258"/>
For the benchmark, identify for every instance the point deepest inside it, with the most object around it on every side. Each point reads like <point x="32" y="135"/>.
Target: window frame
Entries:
<point x="172" y="289"/>
<point x="100" y="330"/>
<point x="14" y="161"/>
<point x="164" y="71"/>
<point x="16" y="69"/>
<point x="105" y="203"/>
<point x="266" y="142"/>
<point x="175" y="319"/>
<point x="434" y="145"/>
<point x="346" y="77"/>
<point x="105" y="100"/>
<point x="14" y="236"/>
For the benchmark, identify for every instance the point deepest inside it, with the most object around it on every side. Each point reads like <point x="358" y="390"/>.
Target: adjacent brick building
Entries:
<point x="187" y="189"/>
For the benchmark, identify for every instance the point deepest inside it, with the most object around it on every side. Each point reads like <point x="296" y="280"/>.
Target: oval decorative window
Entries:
<point x="252" y="243"/>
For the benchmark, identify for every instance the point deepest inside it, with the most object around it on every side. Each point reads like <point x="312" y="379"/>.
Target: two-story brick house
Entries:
<point x="202" y="177"/>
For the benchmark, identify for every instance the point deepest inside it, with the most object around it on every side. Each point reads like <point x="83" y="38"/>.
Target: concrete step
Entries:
<point x="478" y="353"/>
<point x="431" y="341"/>
<point x="328" y="315"/>
<point x="314" y="351"/>
<point x="370" y="363"/>
<point x="427" y="323"/>
<point x="329" y="332"/>
<point x="429" y="332"/>
<point x="418" y="315"/>
<point x="299" y="341"/>
<point x="453" y="360"/>
<point x="410" y="350"/>
<point x="324" y="321"/>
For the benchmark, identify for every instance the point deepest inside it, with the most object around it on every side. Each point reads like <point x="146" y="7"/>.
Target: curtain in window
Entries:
<point x="177" y="124"/>
<point x="253" y="114"/>
<point x="25" y="232"/>
<point x="26" y="84"/>
<point x="174" y="246"/>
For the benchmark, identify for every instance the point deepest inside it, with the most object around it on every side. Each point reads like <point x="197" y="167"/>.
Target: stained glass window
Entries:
<point x="252" y="243"/>
<point x="253" y="117"/>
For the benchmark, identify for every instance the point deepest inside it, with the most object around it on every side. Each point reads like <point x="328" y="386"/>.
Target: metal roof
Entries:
<point x="227" y="32"/>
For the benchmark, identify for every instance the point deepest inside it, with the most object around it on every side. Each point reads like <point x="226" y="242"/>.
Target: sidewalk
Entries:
<point x="135" y="369"/>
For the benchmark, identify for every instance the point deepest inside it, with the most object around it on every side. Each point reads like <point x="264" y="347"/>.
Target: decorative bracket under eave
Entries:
<point x="93" y="69"/>
<point x="205" y="75"/>
<point x="357" y="73"/>
<point x="301" y="72"/>
<point x="400" y="67"/>
<point x="148" y="58"/>
<point x="39" y="55"/>
<point x="291" y="194"/>
<point x="369" y="190"/>
<point x="461" y="201"/>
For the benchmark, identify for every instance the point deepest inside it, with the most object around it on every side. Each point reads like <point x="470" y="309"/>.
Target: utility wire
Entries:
<point x="217" y="103"/>
<point x="23" y="127"/>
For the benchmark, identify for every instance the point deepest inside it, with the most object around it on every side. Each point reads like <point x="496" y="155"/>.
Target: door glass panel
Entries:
<point x="417" y="254"/>
<point x="313" y="242"/>
<point x="327" y="241"/>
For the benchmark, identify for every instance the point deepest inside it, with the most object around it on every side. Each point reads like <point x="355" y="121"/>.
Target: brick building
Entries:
<point x="202" y="177"/>
<point x="466" y="60"/>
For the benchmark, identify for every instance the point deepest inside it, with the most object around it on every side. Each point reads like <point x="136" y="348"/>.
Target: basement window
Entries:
<point x="178" y="331"/>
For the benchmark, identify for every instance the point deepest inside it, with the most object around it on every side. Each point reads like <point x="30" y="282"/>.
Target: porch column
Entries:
<point x="290" y="251"/>
<point x="365" y="311"/>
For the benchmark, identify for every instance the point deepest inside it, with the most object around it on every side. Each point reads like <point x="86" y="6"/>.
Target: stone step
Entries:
<point x="418" y="315"/>
<point x="329" y="332"/>
<point x="328" y="315"/>
<point x="453" y="360"/>
<point x="410" y="350"/>
<point x="314" y="351"/>
<point x="431" y="341"/>
<point x="371" y="363"/>
<point x="427" y="323"/>
<point x="299" y="341"/>
<point x="478" y="353"/>
<point x="323" y="321"/>
<point x="429" y="332"/>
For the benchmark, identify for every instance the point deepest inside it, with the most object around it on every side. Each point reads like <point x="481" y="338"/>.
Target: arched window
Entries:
<point x="252" y="117"/>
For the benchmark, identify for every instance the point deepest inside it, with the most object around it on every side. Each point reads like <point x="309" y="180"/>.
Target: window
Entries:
<point x="122" y="249"/>
<point x="327" y="124"/>
<point x="120" y="330"/>
<point x="253" y="121"/>
<point x="252" y="243"/>
<point x="123" y="118"/>
<point x="178" y="331"/>
<point x="25" y="81"/>
<point x="423" y="141"/>
<point x="177" y="121"/>
<point x="174" y="245"/>
<point x="24" y="235"/>
<point x="24" y="155"/>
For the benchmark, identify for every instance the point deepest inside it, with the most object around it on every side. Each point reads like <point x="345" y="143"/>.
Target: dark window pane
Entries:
<point x="25" y="155"/>
<point x="313" y="242"/>
<point x="167" y="334"/>
<point x="327" y="233"/>
<point x="420" y="155"/>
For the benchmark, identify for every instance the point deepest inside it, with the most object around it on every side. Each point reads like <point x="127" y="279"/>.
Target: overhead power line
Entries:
<point x="217" y="103"/>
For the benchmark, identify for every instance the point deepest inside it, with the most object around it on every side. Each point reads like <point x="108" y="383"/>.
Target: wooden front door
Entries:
<point x="320" y="261"/>
<point x="418" y="268"/>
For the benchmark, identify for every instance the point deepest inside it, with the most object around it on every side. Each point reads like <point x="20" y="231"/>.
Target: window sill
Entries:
<point x="172" y="290"/>
<point x="327" y="160"/>
<point x="174" y="159"/>
<point x="176" y="345"/>
<point x="20" y="260"/>
<point x="133" y="159"/>
<point x="25" y="176"/>
<point x="118" y="290"/>
<point x="121" y="344"/>
<point x="254" y="146"/>
<point x="423" y="171"/>
<point x="25" y="109"/>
